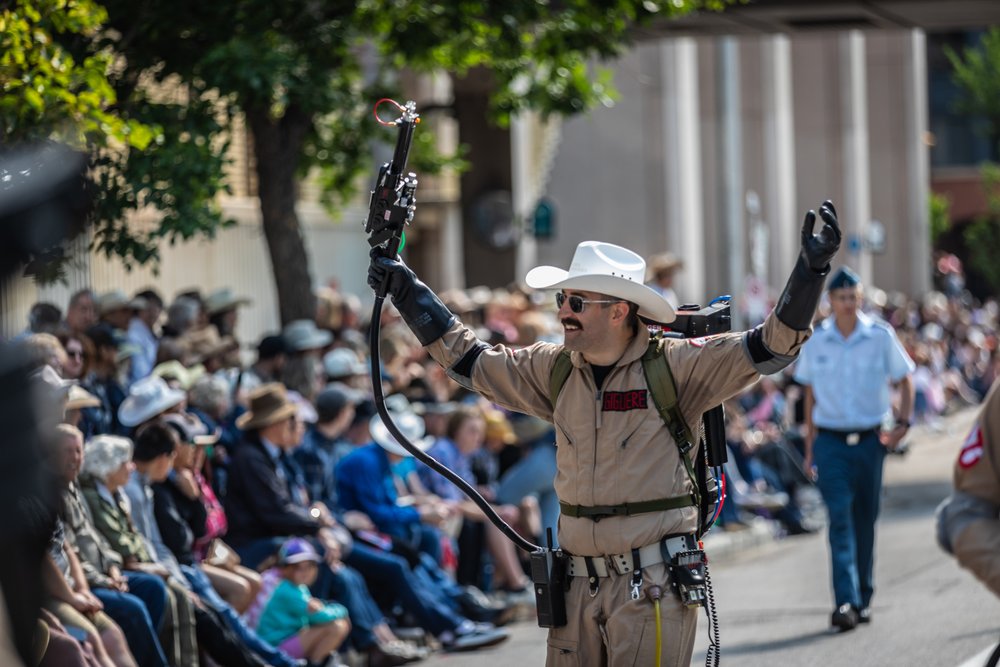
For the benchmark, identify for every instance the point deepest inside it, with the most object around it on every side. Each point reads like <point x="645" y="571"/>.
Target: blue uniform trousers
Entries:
<point x="850" y="480"/>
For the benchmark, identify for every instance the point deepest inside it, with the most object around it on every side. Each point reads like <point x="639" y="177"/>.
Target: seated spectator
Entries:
<point x="43" y="349"/>
<point x="71" y="599"/>
<point x="303" y="626"/>
<point x="210" y="400"/>
<point x="147" y="399"/>
<point x="222" y="307"/>
<point x="134" y="600"/>
<point x="142" y="334"/>
<point x="81" y="313"/>
<point x="323" y="445"/>
<point x="192" y="501"/>
<point x="44" y="318"/>
<point x="271" y="356"/>
<point x="117" y="310"/>
<point x="152" y="506"/>
<point x="369" y="481"/>
<point x="107" y="467"/>
<point x="265" y="505"/>
<point x="110" y="359"/>
<point x="79" y="350"/>
<point x="465" y="435"/>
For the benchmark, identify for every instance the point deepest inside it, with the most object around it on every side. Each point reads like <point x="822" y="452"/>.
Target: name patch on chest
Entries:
<point x="623" y="401"/>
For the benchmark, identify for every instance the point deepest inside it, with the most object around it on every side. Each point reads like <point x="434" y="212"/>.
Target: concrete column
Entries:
<point x="452" y="264"/>
<point x="521" y="193"/>
<point x="783" y="220"/>
<point x="916" y="221"/>
<point x="855" y="214"/>
<point x="731" y="168"/>
<point x="682" y="187"/>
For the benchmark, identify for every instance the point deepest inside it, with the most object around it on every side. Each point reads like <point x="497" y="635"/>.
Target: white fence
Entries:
<point x="236" y="258"/>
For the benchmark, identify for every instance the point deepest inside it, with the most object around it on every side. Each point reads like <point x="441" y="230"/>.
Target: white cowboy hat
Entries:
<point x="411" y="426"/>
<point x="222" y="300"/>
<point x="147" y="398"/>
<point x="302" y="335"/>
<point x="607" y="269"/>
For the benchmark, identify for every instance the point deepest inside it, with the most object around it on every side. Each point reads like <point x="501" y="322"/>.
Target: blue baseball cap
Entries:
<point x="297" y="550"/>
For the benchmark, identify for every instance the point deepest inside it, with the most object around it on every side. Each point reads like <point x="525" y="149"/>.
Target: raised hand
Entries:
<point x="819" y="249"/>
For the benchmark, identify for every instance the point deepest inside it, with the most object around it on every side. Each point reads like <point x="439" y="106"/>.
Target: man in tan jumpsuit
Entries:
<point x="969" y="521"/>
<point x="613" y="448"/>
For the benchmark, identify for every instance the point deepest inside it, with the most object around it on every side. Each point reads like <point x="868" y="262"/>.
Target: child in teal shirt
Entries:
<point x="301" y="625"/>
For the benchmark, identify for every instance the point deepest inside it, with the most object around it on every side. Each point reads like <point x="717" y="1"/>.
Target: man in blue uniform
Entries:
<point x="847" y="368"/>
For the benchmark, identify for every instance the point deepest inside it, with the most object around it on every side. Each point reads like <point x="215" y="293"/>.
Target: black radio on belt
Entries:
<point x="548" y="577"/>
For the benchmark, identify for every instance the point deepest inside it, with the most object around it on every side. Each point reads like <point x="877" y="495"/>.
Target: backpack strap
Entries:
<point x="561" y="369"/>
<point x="663" y="389"/>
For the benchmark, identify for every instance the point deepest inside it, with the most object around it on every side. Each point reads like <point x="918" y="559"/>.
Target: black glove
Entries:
<point x="798" y="301"/>
<point x="819" y="249"/>
<point x="420" y="308"/>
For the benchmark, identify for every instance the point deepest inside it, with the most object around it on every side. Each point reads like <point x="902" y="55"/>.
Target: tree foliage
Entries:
<point x="304" y="74"/>
<point x="976" y="71"/>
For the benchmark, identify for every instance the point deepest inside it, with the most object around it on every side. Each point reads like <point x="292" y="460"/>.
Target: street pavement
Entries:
<point x="774" y="595"/>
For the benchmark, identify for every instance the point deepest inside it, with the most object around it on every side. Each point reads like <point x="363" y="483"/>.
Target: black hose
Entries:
<point x="374" y="338"/>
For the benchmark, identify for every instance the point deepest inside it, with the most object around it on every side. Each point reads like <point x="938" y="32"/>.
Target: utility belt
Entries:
<point x="850" y="437"/>
<point x="651" y="554"/>
<point x="682" y="554"/>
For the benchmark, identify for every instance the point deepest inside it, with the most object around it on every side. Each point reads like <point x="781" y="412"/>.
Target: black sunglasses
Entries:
<point x="578" y="303"/>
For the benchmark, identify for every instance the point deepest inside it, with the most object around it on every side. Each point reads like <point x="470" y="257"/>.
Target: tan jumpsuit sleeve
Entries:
<point x="710" y="370"/>
<point x="516" y="379"/>
<point x="977" y="473"/>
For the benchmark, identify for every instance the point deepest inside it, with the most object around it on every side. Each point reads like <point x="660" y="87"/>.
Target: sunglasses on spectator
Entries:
<point x="578" y="303"/>
<point x="76" y="354"/>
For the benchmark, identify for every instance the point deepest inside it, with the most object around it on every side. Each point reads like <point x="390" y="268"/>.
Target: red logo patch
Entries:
<point x="972" y="450"/>
<point x="623" y="401"/>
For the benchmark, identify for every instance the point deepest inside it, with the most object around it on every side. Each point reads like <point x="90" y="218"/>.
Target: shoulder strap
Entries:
<point x="663" y="389"/>
<point x="664" y="392"/>
<point x="561" y="369"/>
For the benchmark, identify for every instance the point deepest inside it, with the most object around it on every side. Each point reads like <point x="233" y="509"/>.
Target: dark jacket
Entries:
<point x="178" y="517"/>
<point x="258" y="501"/>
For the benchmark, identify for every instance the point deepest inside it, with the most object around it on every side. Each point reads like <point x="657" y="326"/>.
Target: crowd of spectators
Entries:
<point x="242" y="504"/>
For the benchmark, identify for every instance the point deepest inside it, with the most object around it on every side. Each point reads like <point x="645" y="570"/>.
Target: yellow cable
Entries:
<point x="656" y="611"/>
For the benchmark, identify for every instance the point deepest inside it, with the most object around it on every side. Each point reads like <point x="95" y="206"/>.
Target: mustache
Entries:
<point x="573" y="321"/>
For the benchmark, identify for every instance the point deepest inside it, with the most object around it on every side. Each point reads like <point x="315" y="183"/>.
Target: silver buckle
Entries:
<point x="853" y="439"/>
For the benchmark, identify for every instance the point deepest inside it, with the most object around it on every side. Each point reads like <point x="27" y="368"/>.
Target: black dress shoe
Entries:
<point x="865" y="615"/>
<point x="478" y="606"/>
<point x="844" y="618"/>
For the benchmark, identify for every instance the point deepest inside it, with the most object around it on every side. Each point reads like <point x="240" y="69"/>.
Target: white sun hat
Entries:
<point x="408" y="423"/>
<point x="608" y="269"/>
<point x="147" y="398"/>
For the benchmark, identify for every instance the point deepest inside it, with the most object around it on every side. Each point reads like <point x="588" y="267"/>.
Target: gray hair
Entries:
<point x="211" y="395"/>
<point x="104" y="454"/>
<point x="182" y="314"/>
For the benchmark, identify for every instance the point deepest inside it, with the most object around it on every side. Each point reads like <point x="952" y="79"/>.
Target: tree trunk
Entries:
<point x="278" y="148"/>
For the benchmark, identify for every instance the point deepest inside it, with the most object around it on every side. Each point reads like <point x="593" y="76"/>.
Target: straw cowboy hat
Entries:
<point x="205" y="343"/>
<point x="80" y="398"/>
<point x="666" y="262"/>
<point x="407" y="422"/>
<point x="115" y="300"/>
<point x="147" y="398"/>
<point x="607" y="269"/>
<point x="269" y="404"/>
